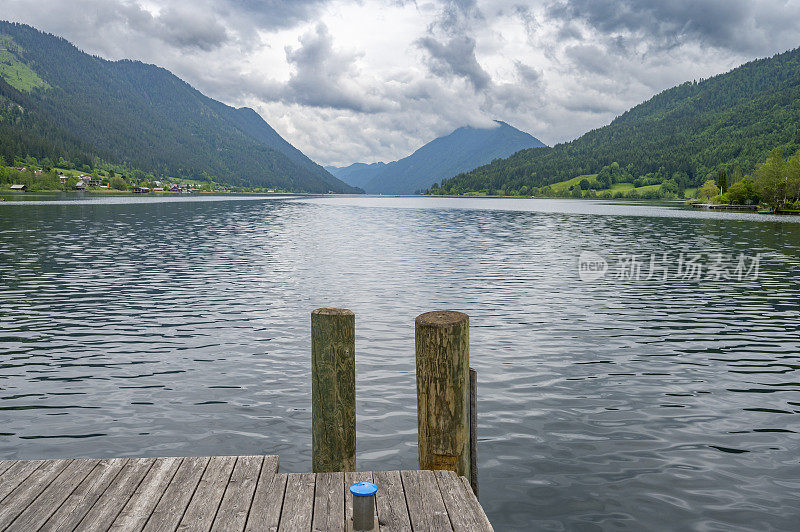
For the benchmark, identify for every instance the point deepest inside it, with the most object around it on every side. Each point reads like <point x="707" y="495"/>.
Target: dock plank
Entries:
<point x="170" y="509"/>
<point x="108" y="506"/>
<point x="203" y="507"/>
<point x="16" y="475"/>
<point x="391" y="502"/>
<point x="224" y="494"/>
<point x="298" y="503"/>
<point x="265" y="512"/>
<point x="235" y="505"/>
<point x="81" y="500"/>
<point x="46" y="504"/>
<point x="425" y="505"/>
<point x="472" y="499"/>
<point x="329" y="502"/>
<point x="5" y="464"/>
<point x="18" y="500"/>
<point x="137" y="510"/>
<point x="458" y="502"/>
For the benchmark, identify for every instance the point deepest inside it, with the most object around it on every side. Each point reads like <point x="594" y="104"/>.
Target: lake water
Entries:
<point x="137" y="326"/>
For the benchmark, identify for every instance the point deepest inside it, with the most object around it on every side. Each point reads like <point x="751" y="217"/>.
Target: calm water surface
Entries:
<point x="180" y="326"/>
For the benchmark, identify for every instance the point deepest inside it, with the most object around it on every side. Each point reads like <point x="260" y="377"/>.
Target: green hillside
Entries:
<point x="58" y="102"/>
<point x="685" y="133"/>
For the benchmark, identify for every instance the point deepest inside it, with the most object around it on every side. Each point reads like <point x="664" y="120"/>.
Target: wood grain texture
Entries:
<point x="170" y="509"/>
<point x="329" y="502"/>
<point x="333" y="390"/>
<point x="199" y="515"/>
<point x="265" y="512"/>
<point x="226" y="493"/>
<point x="140" y="506"/>
<point x="442" y="356"/>
<point x="83" y="498"/>
<point x="19" y="499"/>
<point x="35" y="515"/>
<point x="473" y="430"/>
<point x="235" y="505"/>
<point x="5" y="464"/>
<point x="105" y="510"/>
<point x="298" y="503"/>
<point x="16" y="475"/>
<point x="460" y="503"/>
<point x="391" y="502"/>
<point x="426" y="508"/>
<point x="477" y="509"/>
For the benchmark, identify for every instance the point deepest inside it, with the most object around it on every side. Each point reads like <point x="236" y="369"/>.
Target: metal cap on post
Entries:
<point x="363" y="506"/>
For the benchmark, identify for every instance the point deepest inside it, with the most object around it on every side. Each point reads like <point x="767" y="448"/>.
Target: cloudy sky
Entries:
<point x="370" y="80"/>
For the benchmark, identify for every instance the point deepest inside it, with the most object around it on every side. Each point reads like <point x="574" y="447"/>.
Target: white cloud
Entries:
<point x="348" y="80"/>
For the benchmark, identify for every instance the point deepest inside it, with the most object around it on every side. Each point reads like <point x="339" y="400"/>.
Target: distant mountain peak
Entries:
<point x="461" y="150"/>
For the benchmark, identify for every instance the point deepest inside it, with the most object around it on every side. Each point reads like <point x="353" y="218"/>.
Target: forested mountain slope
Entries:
<point x="56" y="101"/>
<point x="686" y="132"/>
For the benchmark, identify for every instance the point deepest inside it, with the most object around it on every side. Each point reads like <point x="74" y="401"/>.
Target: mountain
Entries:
<point x="357" y="174"/>
<point x="686" y="132"/>
<point x="56" y="101"/>
<point x="462" y="150"/>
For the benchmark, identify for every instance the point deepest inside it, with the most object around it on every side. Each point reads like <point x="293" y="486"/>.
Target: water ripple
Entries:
<point x="133" y="327"/>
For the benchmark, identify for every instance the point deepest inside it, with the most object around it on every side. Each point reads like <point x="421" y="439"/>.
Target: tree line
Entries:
<point x="683" y="134"/>
<point x="775" y="183"/>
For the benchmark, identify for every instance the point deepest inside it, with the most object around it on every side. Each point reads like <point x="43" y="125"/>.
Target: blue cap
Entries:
<point x="363" y="489"/>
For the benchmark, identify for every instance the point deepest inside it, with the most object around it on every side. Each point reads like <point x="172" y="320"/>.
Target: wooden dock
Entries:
<point x="225" y="493"/>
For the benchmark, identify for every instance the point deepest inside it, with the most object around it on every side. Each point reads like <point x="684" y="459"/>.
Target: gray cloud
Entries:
<point x="201" y="24"/>
<point x="185" y="27"/>
<point x="320" y="75"/>
<point x="348" y="80"/>
<point x="456" y="57"/>
<point x="590" y="58"/>
<point x="269" y="13"/>
<point x="748" y="26"/>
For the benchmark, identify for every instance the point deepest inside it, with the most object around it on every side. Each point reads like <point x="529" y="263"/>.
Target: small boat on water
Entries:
<point x="766" y="212"/>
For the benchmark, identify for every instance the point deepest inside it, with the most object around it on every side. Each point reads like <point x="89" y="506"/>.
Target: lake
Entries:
<point x="136" y="326"/>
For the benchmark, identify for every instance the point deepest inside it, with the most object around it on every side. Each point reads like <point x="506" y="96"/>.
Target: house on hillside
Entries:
<point x="141" y="190"/>
<point x="80" y="185"/>
<point x="19" y="188"/>
<point x="63" y="178"/>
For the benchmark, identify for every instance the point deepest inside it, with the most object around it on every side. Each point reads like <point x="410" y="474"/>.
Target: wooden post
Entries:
<point x="473" y="430"/>
<point x="442" y="347"/>
<point x="333" y="390"/>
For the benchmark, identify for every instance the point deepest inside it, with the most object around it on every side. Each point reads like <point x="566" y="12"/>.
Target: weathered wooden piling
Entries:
<point x="473" y="430"/>
<point x="333" y="390"/>
<point x="443" y="413"/>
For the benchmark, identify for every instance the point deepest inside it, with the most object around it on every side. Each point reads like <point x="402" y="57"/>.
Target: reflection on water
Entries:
<point x="181" y="327"/>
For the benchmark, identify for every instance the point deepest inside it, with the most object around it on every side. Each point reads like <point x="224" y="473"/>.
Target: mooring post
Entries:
<point x="333" y="390"/>
<point x="364" y="518"/>
<point x="473" y="430"/>
<point x="443" y="418"/>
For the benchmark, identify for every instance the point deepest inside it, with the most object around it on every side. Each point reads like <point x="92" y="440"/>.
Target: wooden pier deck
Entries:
<point x="224" y="493"/>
